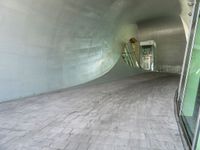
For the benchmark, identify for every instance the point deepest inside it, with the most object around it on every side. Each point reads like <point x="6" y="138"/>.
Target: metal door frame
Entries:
<point x="189" y="54"/>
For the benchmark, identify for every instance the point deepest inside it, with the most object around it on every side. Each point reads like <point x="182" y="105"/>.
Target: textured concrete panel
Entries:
<point x="50" y="45"/>
<point x="53" y="44"/>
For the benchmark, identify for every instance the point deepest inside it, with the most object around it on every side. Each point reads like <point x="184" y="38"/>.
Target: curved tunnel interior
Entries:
<point x="50" y="45"/>
<point x="93" y="74"/>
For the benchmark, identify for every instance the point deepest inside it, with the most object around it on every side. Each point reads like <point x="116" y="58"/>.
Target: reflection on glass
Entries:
<point x="197" y="146"/>
<point x="187" y="60"/>
<point x="191" y="101"/>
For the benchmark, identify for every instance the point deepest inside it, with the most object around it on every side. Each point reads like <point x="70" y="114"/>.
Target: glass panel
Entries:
<point x="191" y="100"/>
<point x="198" y="145"/>
<point x="189" y="48"/>
<point x="198" y="142"/>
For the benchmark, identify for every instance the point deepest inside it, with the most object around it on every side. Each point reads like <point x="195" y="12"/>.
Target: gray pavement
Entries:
<point x="135" y="113"/>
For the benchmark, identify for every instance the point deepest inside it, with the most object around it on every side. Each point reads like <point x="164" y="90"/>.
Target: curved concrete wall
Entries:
<point x="53" y="44"/>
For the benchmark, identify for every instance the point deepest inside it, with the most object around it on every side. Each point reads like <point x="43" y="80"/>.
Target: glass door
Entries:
<point x="191" y="98"/>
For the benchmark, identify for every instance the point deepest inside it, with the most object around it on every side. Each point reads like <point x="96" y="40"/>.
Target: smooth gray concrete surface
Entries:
<point x="170" y="42"/>
<point x="120" y="71"/>
<point x="135" y="113"/>
<point x="53" y="44"/>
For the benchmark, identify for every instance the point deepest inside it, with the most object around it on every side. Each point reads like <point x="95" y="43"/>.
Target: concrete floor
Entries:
<point x="131" y="114"/>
